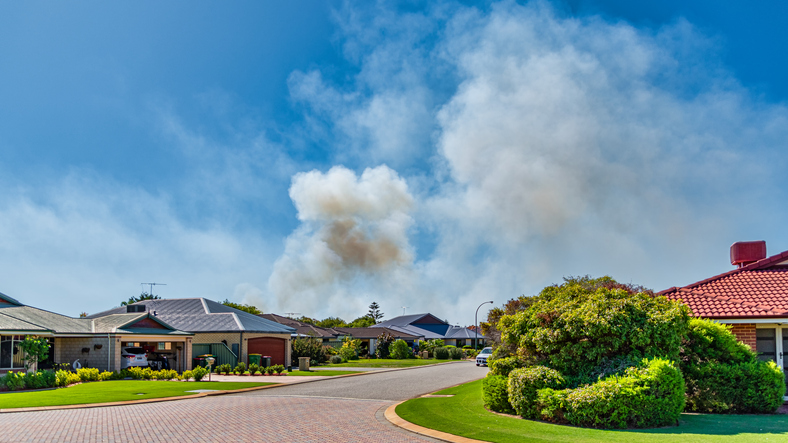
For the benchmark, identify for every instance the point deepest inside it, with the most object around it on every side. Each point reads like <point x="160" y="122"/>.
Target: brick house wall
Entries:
<point x="235" y="337"/>
<point x="745" y="333"/>
<point x="68" y="349"/>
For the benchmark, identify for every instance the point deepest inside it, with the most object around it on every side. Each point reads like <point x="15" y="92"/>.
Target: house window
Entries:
<point x="765" y="344"/>
<point x="164" y="346"/>
<point x="11" y="356"/>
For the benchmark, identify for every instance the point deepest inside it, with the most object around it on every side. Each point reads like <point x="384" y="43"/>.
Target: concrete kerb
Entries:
<point x="200" y="395"/>
<point x="396" y="420"/>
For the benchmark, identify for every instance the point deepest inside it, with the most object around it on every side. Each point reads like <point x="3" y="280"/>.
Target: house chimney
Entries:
<point x="745" y="252"/>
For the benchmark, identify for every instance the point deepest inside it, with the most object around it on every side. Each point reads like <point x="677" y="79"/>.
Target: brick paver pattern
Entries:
<point x="231" y="418"/>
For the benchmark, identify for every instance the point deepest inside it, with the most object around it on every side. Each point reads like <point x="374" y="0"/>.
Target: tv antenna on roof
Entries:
<point x="291" y="314"/>
<point x="152" y="285"/>
<point x="403" y="309"/>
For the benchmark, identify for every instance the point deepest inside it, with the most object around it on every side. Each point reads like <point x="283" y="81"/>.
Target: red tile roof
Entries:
<point x="759" y="289"/>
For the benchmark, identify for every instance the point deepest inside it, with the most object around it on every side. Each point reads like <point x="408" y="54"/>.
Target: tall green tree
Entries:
<point x="374" y="312"/>
<point x="143" y="296"/>
<point x="246" y="308"/>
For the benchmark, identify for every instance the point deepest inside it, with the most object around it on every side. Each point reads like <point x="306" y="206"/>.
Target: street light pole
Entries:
<point x="476" y="326"/>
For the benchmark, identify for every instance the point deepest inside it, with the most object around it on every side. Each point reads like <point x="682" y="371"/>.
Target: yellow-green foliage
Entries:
<point x="106" y="375"/>
<point x="88" y="374"/>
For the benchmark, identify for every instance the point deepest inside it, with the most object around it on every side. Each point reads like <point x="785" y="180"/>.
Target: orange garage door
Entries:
<point x="274" y="347"/>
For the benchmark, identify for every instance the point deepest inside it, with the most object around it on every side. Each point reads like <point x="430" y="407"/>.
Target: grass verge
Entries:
<point x="387" y="363"/>
<point x="111" y="391"/>
<point x="465" y="415"/>
<point x="320" y="373"/>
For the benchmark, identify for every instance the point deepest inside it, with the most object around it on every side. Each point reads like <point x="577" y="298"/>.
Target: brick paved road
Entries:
<point x="341" y="413"/>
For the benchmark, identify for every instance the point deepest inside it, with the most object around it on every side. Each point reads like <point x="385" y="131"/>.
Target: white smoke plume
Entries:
<point x="354" y="234"/>
<point x="568" y="146"/>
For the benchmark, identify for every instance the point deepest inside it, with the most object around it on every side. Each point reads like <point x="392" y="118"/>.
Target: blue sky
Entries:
<point x="316" y="156"/>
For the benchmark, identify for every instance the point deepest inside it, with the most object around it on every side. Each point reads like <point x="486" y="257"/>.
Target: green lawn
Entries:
<point x="387" y="363"/>
<point x="320" y="373"/>
<point x="465" y="415"/>
<point x="111" y="391"/>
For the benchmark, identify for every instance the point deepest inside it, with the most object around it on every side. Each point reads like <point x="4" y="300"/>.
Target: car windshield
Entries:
<point x="486" y="351"/>
<point x="134" y="351"/>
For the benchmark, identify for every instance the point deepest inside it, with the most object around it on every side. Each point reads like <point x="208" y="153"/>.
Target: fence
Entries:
<point x="220" y="351"/>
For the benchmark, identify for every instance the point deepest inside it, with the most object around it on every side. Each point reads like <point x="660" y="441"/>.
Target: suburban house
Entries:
<point x="227" y="333"/>
<point x="93" y="342"/>
<point x="334" y="336"/>
<point x="428" y="327"/>
<point x="753" y="298"/>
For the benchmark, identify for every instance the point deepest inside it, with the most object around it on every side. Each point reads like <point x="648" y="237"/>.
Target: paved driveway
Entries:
<point x="348" y="409"/>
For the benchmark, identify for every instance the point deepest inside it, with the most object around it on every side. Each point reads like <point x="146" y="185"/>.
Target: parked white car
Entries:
<point x="133" y="356"/>
<point x="481" y="359"/>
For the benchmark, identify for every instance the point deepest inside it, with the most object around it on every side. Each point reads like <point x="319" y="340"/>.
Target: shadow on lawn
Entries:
<point x="716" y="424"/>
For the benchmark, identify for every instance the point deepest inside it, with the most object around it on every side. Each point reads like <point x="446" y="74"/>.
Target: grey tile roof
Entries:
<point x="203" y="315"/>
<point x="8" y="323"/>
<point x="48" y="320"/>
<point x="461" y="333"/>
<point x="402" y="320"/>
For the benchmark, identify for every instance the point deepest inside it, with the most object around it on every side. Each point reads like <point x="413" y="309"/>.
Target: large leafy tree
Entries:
<point x="241" y="307"/>
<point x="331" y="322"/>
<point x="142" y="297"/>
<point x="362" y="322"/>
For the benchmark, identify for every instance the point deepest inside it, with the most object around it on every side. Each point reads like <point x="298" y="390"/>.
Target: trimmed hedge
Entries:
<point x="442" y="353"/>
<point x="752" y="387"/>
<point x="495" y="394"/>
<point x="503" y="366"/>
<point x="643" y="397"/>
<point x="524" y="384"/>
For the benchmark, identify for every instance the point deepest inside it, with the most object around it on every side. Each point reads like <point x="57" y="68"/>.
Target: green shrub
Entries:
<point x="551" y="404"/>
<point x="400" y="350"/>
<point x="456" y="353"/>
<point x="254" y="367"/>
<point x="135" y="372"/>
<point x="88" y="374"/>
<point x="525" y="382"/>
<point x="240" y="368"/>
<point x="187" y="375"/>
<point x="106" y="375"/>
<point x="346" y="354"/>
<point x="503" y="366"/>
<point x="336" y="359"/>
<point x="442" y="353"/>
<point x="751" y="387"/>
<point x="495" y="395"/>
<point x="40" y="379"/>
<point x="648" y="396"/>
<point x="430" y="345"/>
<point x="167" y="374"/>
<point x="14" y="380"/>
<point x="278" y="369"/>
<point x="61" y="378"/>
<point x="147" y="373"/>
<point x="309" y="347"/>
<point x="199" y="372"/>
<point x="709" y="341"/>
<point x="449" y="346"/>
<point x="585" y="322"/>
